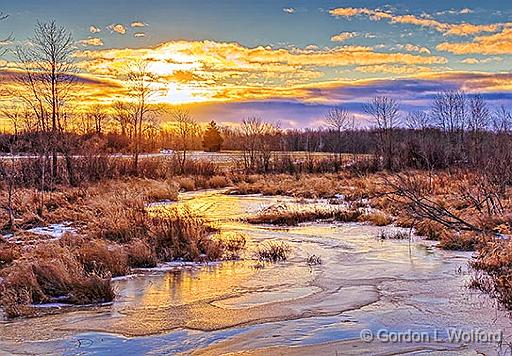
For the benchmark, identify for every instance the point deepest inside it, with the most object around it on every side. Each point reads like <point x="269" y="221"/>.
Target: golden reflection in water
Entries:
<point x="213" y="207"/>
<point x="186" y="287"/>
<point x="176" y="298"/>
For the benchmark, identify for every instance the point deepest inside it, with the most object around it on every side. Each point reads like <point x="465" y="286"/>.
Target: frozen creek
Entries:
<point x="284" y="308"/>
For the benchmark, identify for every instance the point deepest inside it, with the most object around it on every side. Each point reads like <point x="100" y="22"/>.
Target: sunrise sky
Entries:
<point x="285" y="61"/>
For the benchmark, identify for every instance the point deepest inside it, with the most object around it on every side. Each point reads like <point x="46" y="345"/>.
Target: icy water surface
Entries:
<point x="285" y="308"/>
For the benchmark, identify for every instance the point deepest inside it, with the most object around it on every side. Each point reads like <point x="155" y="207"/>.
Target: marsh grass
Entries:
<point x="493" y="271"/>
<point x="314" y="260"/>
<point x="233" y="243"/>
<point x="272" y="251"/>
<point x="393" y="235"/>
<point x="116" y="233"/>
<point x="288" y="215"/>
<point x="461" y="241"/>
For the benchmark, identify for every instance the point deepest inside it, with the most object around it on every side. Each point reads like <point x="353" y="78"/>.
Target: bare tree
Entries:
<point x="99" y="116"/>
<point x="123" y="113"/>
<point x="186" y="129"/>
<point x="385" y="113"/>
<point x="339" y="119"/>
<point x="479" y="114"/>
<point x="48" y="77"/>
<point x="141" y="89"/>
<point x="417" y="120"/>
<point x="449" y="111"/>
<point x="256" y="147"/>
<point x="502" y="120"/>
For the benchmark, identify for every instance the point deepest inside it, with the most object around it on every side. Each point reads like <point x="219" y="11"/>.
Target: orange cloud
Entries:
<point x="206" y="70"/>
<point x="462" y="29"/>
<point x="395" y="69"/>
<point x="118" y="28"/>
<point x="343" y="36"/>
<point x="499" y="43"/>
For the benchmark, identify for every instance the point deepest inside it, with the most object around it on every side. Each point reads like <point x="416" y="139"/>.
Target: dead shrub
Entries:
<point x="187" y="184"/>
<point x="460" y="242"/>
<point x="8" y="253"/>
<point x="104" y="259"/>
<point x="431" y="230"/>
<point x="218" y="182"/>
<point x="233" y="244"/>
<point x="273" y="251"/>
<point x="178" y="234"/>
<point x="91" y="289"/>
<point x="377" y="218"/>
<point x="140" y="254"/>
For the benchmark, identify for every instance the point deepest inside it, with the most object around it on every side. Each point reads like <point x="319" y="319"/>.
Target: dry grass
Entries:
<point x="233" y="243"/>
<point x="46" y="273"/>
<point x="102" y="258"/>
<point x="493" y="268"/>
<point x="178" y="234"/>
<point x="8" y="253"/>
<point x="461" y="242"/>
<point x="393" y="235"/>
<point x="292" y="216"/>
<point x="115" y="233"/>
<point x="141" y="254"/>
<point x="378" y="218"/>
<point x="314" y="260"/>
<point x="272" y="251"/>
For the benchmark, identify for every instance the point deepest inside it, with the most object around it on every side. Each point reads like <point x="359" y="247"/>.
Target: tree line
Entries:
<point x="457" y="128"/>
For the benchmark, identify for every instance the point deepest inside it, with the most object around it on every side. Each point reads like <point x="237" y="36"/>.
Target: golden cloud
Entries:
<point x="499" y="43"/>
<point x="394" y="69"/>
<point x="343" y="36"/>
<point x="211" y="69"/>
<point x="462" y="29"/>
<point x="118" y="28"/>
<point x="92" y="41"/>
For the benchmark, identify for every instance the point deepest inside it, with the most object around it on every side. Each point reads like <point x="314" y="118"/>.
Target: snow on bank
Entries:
<point x="54" y="230"/>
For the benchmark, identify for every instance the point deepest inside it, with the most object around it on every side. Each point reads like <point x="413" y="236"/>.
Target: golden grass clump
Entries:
<point x="378" y="218"/>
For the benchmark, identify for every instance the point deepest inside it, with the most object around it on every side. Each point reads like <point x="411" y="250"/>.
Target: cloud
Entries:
<point x="409" y="47"/>
<point x="92" y="41"/>
<point x="461" y="29"/>
<point x="343" y="36"/>
<point x="138" y="24"/>
<point x="463" y="11"/>
<point x="498" y="43"/>
<point x="289" y="10"/>
<point x="139" y="34"/>
<point x="395" y="69"/>
<point x="94" y="29"/>
<point x="118" y="28"/>
<point x="485" y="60"/>
<point x="225" y="71"/>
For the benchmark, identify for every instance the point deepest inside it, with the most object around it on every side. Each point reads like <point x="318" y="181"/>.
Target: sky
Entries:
<point x="285" y="61"/>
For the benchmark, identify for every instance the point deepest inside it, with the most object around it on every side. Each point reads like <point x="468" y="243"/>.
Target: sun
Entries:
<point x="182" y="94"/>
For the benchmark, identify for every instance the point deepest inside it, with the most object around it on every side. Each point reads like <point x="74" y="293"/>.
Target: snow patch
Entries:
<point x="54" y="230"/>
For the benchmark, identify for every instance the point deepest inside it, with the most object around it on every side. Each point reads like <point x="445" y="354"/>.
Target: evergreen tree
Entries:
<point x="212" y="140"/>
